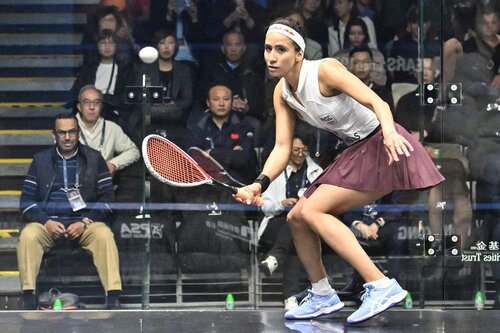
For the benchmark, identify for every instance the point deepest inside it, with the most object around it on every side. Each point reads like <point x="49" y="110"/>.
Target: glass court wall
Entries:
<point x="193" y="246"/>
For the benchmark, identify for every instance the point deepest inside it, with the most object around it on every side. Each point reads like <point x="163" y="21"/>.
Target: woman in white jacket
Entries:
<point x="282" y="194"/>
<point x="343" y="11"/>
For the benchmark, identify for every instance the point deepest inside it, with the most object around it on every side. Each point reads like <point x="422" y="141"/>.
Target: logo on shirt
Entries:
<point x="328" y="119"/>
<point x="235" y="136"/>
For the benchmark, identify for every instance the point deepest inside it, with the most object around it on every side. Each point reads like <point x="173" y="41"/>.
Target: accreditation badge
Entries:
<point x="75" y="199"/>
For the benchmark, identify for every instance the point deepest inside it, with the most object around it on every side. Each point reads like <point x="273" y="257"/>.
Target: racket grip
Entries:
<point x="243" y="195"/>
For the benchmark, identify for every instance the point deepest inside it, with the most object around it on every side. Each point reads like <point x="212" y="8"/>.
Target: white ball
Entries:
<point x="148" y="54"/>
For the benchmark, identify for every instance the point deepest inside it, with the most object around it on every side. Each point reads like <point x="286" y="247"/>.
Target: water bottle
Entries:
<point x="408" y="301"/>
<point x="479" y="300"/>
<point x="229" y="302"/>
<point x="57" y="306"/>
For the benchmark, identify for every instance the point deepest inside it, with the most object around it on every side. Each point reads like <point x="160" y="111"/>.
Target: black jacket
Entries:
<point x="180" y="93"/>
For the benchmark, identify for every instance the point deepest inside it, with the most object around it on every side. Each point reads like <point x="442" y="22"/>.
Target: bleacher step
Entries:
<point x="36" y="84"/>
<point x="17" y="19"/>
<point x="25" y="109"/>
<point x="14" y="166"/>
<point x="50" y="60"/>
<point x="49" y="2"/>
<point x="9" y="199"/>
<point x="25" y="40"/>
<point x="26" y="137"/>
<point x="9" y="283"/>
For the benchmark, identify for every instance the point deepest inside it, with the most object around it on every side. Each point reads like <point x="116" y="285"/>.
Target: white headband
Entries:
<point x="289" y="32"/>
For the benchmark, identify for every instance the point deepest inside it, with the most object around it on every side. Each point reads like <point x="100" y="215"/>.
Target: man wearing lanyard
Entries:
<point x="65" y="197"/>
<point x="103" y="135"/>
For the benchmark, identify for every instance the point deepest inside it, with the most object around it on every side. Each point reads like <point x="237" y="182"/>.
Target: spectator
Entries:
<point x="275" y="237"/>
<point x="403" y="61"/>
<point x="378" y="235"/>
<point x="342" y="11"/>
<point x="365" y="9"/>
<point x="390" y="19"/>
<point x="178" y="16"/>
<point x="169" y="117"/>
<point x="108" y="75"/>
<point x="276" y="8"/>
<point x="460" y="19"/>
<point x="244" y="16"/>
<point x="137" y="10"/>
<point x="108" y="138"/>
<point x="315" y="25"/>
<point x="109" y="17"/>
<point x="361" y="65"/>
<point x="482" y="80"/>
<point x="58" y="204"/>
<point x="103" y="135"/>
<point x="244" y="81"/>
<point x="206" y="241"/>
<point x="451" y="165"/>
<point x="134" y="12"/>
<point x="488" y="193"/>
<point x="356" y="34"/>
<point x="313" y="49"/>
<point x="222" y="134"/>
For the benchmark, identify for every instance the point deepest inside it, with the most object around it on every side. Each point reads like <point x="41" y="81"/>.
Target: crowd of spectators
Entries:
<point x="214" y="84"/>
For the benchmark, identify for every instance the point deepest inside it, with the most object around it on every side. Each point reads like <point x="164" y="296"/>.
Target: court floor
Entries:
<point x="244" y="321"/>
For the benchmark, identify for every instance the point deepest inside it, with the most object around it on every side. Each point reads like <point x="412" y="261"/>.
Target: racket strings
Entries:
<point x="172" y="164"/>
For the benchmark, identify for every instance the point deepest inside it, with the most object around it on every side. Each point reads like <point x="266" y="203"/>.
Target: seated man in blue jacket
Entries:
<point x="222" y="134"/>
<point x="65" y="196"/>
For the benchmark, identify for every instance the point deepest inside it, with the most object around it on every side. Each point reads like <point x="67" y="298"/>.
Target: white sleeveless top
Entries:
<point x="342" y="115"/>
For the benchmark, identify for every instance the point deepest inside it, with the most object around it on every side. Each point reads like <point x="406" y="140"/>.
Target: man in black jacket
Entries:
<point x="65" y="196"/>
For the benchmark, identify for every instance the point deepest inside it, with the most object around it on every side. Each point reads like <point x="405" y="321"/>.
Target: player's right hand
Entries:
<point x="250" y="195"/>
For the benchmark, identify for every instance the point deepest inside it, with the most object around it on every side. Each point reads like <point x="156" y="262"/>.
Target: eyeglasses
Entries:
<point x="94" y="103"/>
<point x="62" y="134"/>
<point x="298" y="151"/>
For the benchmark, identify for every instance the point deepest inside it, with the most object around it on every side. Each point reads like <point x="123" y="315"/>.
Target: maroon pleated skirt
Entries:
<point x="364" y="166"/>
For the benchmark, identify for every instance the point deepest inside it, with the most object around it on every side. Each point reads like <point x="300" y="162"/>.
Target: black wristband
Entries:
<point x="264" y="181"/>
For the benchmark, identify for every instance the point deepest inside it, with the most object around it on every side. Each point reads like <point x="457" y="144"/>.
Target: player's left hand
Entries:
<point x="395" y="145"/>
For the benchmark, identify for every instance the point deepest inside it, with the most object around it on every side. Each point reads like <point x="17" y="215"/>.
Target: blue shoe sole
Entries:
<point x="321" y="312"/>
<point x="396" y="299"/>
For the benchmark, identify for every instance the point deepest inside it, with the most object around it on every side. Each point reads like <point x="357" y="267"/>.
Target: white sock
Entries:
<point x="272" y="263"/>
<point x="381" y="283"/>
<point x="322" y="287"/>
